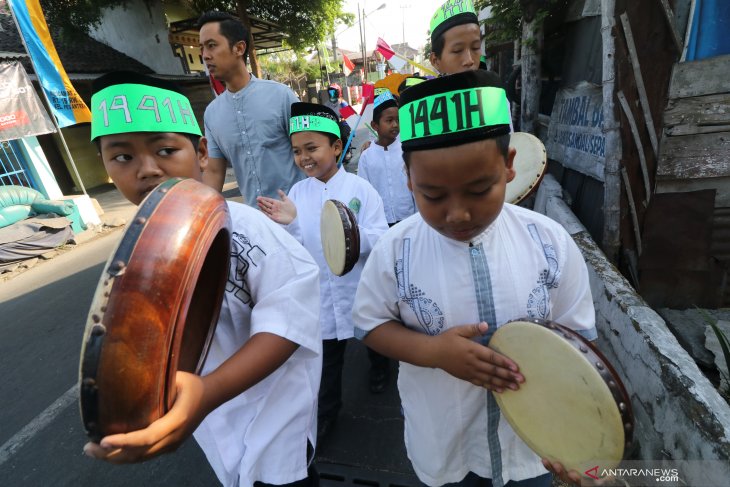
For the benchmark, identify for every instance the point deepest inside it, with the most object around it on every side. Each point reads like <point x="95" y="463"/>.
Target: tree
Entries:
<point x="304" y="22"/>
<point x="511" y="20"/>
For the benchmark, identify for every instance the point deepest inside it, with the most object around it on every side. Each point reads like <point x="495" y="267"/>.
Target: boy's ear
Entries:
<point x="374" y="124"/>
<point x="202" y="154"/>
<point x="338" y="147"/>
<point x="511" y="153"/>
<point x="434" y="60"/>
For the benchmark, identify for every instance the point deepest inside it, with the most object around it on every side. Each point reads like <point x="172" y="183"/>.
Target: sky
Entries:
<point x="411" y="17"/>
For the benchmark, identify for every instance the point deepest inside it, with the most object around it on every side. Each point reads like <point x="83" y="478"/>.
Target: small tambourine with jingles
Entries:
<point x="572" y="407"/>
<point x="155" y="308"/>
<point x="340" y="237"/>
<point x="530" y="165"/>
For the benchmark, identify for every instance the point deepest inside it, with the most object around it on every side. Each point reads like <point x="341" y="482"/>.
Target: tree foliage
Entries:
<point x="505" y="23"/>
<point x="76" y="17"/>
<point x="305" y="22"/>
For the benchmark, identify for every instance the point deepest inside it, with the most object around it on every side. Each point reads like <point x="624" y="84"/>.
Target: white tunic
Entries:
<point x="272" y="287"/>
<point x="385" y="170"/>
<point x="528" y="265"/>
<point x="337" y="293"/>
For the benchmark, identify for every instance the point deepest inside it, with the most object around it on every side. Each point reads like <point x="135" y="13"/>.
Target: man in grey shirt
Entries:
<point x="248" y="124"/>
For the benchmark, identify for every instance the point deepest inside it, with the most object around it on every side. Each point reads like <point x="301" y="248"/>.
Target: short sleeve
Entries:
<point x="214" y="150"/>
<point x="376" y="298"/>
<point x="572" y="303"/>
<point x="285" y="289"/>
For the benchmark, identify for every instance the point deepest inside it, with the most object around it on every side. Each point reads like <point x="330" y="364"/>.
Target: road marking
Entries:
<point x="39" y="422"/>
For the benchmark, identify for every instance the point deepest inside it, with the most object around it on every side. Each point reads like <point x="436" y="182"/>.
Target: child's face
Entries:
<point x="388" y="126"/>
<point x="462" y="49"/>
<point x="138" y="162"/>
<point x="314" y="154"/>
<point x="459" y="190"/>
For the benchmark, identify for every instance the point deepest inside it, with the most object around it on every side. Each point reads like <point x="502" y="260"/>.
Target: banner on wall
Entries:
<point x="575" y="136"/>
<point x="21" y="112"/>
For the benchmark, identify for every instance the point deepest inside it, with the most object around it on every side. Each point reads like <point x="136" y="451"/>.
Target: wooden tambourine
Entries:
<point x="572" y="407"/>
<point x="155" y="308"/>
<point x="530" y="165"/>
<point x="340" y="237"/>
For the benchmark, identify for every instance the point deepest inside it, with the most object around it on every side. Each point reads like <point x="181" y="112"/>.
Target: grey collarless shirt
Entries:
<point x="250" y="129"/>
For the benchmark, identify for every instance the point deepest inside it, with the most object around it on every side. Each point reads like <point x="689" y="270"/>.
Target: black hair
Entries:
<point x="378" y="112"/>
<point x="438" y="44"/>
<point x="229" y="27"/>
<point x="502" y="142"/>
<point x="130" y="77"/>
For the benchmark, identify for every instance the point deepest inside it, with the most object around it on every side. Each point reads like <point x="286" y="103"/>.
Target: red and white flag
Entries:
<point x="347" y="65"/>
<point x="215" y="85"/>
<point x="396" y="61"/>
<point x="365" y="116"/>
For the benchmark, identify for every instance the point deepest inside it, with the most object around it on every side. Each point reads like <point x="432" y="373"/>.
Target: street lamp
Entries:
<point x="361" y="21"/>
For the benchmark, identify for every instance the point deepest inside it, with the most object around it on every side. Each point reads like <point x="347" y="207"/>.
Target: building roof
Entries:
<point x="84" y="56"/>
<point x="267" y="36"/>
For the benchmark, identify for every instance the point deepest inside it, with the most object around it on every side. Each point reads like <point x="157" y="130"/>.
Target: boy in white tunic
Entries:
<point x="382" y="163"/>
<point x="463" y="266"/>
<point x="315" y="137"/>
<point x="252" y="410"/>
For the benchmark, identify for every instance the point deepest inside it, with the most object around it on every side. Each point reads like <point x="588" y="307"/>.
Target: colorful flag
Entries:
<point x="215" y="85"/>
<point x="395" y="60"/>
<point x="350" y="116"/>
<point x="347" y="65"/>
<point x="66" y="104"/>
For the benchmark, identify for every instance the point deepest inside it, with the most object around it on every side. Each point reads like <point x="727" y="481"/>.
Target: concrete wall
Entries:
<point x="85" y="155"/>
<point x="140" y="32"/>
<point x="679" y="414"/>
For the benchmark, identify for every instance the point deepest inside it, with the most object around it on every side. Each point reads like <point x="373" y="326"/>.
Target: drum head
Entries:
<point x="155" y="308"/>
<point x="340" y="237"/>
<point x="565" y="409"/>
<point x="530" y="164"/>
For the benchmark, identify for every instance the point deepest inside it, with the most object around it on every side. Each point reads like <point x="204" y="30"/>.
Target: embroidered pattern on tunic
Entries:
<point x="538" y="303"/>
<point x="427" y="311"/>
<point x="243" y="255"/>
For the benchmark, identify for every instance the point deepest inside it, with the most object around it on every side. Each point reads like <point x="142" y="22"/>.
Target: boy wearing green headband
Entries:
<point x="252" y="409"/>
<point x="315" y="138"/>
<point x="439" y="283"/>
<point x="455" y="37"/>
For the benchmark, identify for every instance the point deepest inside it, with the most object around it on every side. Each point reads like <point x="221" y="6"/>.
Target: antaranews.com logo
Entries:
<point x="659" y="475"/>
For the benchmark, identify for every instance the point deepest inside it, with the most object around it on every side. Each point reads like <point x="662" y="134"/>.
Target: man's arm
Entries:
<point x="215" y="173"/>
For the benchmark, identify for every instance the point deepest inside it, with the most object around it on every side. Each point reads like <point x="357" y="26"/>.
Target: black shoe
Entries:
<point x="378" y="380"/>
<point x="324" y="427"/>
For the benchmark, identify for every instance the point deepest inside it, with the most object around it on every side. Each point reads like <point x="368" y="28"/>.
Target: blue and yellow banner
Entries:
<point x="66" y="104"/>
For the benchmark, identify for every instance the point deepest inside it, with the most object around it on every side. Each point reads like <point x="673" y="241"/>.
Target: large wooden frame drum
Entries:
<point x="572" y="407"/>
<point x="340" y="237"/>
<point x="155" y="308"/>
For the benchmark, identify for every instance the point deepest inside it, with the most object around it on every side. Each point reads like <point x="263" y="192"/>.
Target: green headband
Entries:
<point x="454" y="111"/>
<point x="124" y="108"/>
<point x="444" y="19"/>
<point x="314" y="123"/>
